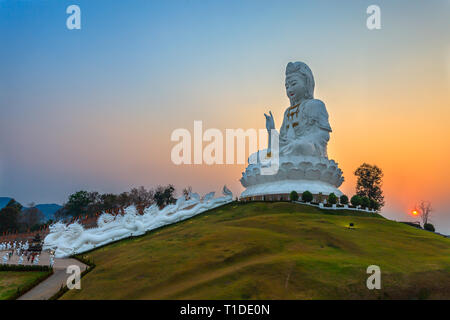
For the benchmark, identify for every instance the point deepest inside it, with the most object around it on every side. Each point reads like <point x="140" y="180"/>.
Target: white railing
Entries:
<point x="335" y="207"/>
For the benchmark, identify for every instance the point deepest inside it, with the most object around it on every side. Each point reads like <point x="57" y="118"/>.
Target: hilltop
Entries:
<point x="272" y="251"/>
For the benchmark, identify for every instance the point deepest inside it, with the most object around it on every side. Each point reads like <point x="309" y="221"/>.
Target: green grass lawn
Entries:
<point x="272" y="251"/>
<point x="10" y="281"/>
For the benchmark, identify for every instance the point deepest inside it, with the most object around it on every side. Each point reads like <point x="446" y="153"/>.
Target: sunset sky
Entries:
<point x="94" y="108"/>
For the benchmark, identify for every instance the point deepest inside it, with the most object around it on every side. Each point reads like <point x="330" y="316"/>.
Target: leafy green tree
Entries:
<point x="365" y="202"/>
<point x="374" y="205"/>
<point x="356" y="200"/>
<point x="109" y="201"/>
<point x="332" y="199"/>
<point x="164" y="195"/>
<point x="9" y="219"/>
<point x="78" y="203"/>
<point x="369" y="182"/>
<point x="343" y="199"/>
<point x="307" y="196"/>
<point x="293" y="196"/>
<point x="14" y="204"/>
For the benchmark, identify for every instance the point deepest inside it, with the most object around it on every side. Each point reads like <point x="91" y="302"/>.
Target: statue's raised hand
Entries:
<point x="270" y="123"/>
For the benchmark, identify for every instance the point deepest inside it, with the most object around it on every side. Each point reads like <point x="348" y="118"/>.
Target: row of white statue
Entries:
<point x="66" y="240"/>
<point x="20" y="249"/>
<point x="14" y="245"/>
<point x="20" y="262"/>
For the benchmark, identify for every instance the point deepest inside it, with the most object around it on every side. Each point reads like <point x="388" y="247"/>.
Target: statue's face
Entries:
<point x="295" y="88"/>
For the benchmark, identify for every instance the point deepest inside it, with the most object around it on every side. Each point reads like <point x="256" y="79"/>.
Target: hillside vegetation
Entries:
<point x="272" y="251"/>
<point x="12" y="281"/>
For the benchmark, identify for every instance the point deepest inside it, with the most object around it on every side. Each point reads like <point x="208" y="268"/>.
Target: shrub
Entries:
<point x="332" y="199"/>
<point x="429" y="227"/>
<point x="16" y="267"/>
<point x="343" y="199"/>
<point x="307" y="196"/>
<point x="374" y="205"/>
<point x="293" y="196"/>
<point x="365" y="202"/>
<point x="356" y="200"/>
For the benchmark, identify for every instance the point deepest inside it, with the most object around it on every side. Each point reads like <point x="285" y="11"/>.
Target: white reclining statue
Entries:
<point x="71" y="239"/>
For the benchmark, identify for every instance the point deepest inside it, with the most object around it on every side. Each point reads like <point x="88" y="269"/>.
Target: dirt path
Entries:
<point x="51" y="285"/>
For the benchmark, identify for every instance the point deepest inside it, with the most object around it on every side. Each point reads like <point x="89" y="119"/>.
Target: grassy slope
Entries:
<point x="11" y="280"/>
<point x="271" y="251"/>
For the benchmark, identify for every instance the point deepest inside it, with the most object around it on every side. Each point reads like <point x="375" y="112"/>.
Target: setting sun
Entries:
<point x="415" y="213"/>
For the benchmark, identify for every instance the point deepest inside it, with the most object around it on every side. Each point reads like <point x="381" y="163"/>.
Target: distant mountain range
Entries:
<point x="48" y="209"/>
<point x="4" y="201"/>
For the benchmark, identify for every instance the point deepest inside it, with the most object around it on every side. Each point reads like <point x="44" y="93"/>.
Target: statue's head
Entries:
<point x="74" y="230"/>
<point x="57" y="228"/>
<point x="299" y="82"/>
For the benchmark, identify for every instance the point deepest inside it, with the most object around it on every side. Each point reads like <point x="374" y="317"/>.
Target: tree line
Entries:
<point x="85" y="203"/>
<point x="15" y="218"/>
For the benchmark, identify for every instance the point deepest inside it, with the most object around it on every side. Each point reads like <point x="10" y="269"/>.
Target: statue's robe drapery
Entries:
<point x="305" y="129"/>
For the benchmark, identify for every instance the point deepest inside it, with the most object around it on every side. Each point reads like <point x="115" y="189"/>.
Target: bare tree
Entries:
<point x="31" y="216"/>
<point x="124" y="200"/>
<point x="141" y="197"/>
<point x="425" y="210"/>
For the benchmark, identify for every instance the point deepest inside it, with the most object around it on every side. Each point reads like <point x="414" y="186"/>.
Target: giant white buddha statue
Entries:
<point x="301" y="152"/>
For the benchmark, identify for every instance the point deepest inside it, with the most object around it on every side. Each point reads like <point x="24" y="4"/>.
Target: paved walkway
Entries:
<point x="51" y="285"/>
<point x="44" y="259"/>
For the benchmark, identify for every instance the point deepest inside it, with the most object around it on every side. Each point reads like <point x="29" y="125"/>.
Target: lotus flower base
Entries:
<point x="298" y="173"/>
